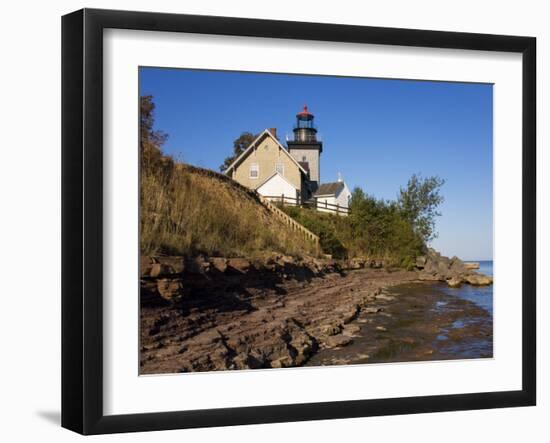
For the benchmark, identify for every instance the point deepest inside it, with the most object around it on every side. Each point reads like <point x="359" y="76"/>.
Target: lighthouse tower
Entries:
<point x="305" y="148"/>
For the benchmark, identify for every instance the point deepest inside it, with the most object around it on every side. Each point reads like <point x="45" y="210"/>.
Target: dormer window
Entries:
<point x="254" y="170"/>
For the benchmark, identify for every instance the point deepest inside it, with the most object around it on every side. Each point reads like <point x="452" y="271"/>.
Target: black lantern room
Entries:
<point x="305" y="130"/>
<point x="305" y="148"/>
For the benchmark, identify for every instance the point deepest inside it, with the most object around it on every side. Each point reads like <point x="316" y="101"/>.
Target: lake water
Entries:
<point x="480" y="295"/>
<point x="422" y="322"/>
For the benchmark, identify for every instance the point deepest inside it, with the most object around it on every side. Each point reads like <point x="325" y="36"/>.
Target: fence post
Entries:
<point x="337" y="208"/>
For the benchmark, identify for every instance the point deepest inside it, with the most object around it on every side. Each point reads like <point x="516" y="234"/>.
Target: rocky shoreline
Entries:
<point x="211" y="313"/>
<point x="435" y="267"/>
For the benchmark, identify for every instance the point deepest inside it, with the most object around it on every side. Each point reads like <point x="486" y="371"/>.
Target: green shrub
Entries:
<point x="375" y="229"/>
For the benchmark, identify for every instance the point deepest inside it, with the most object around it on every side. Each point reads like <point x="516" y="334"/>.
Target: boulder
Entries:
<point x="435" y="267"/>
<point x="175" y="263"/>
<point x="425" y="276"/>
<point x="145" y="265"/>
<point x="445" y="260"/>
<point x="169" y="289"/>
<point x="219" y="356"/>
<point x="457" y="265"/>
<point x="303" y="343"/>
<point x="421" y="261"/>
<point x="331" y="329"/>
<point x="283" y="362"/>
<point x="218" y="263"/>
<point x="454" y="282"/>
<point x="284" y="259"/>
<point x="442" y="267"/>
<point x="152" y="268"/>
<point x="349" y="314"/>
<point x="478" y="279"/>
<point x="317" y="264"/>
<point x="355" y="263"/>
<point x="240" y="265"/>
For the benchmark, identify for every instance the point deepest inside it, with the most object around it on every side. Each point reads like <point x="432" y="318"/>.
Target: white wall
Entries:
<point x="30" y="183"/>
<point x="277" y="186"/>
<point x="341" y="199"/>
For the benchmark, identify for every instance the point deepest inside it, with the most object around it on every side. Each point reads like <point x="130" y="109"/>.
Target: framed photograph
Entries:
<point x="268" y="221"/>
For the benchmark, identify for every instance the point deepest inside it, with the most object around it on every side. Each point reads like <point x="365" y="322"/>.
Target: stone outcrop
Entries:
<point x="360" y="263"/>
<point x="169" y="279"/>
<point x="454" y="282"/>
<point x="478" y="279"/>
<point x="435" y="267"/>
<point x="209" y="314"/>
<point x="216" y="313"/>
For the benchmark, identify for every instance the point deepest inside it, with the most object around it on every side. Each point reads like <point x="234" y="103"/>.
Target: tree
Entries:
<point x="418" y="203"/>
<point x="239" y="146"/>
<point x="150" y="141"/>
<point x="147" y="121"/>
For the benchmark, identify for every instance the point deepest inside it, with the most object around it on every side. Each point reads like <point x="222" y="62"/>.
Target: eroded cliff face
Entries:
<point x="176" y="279"/>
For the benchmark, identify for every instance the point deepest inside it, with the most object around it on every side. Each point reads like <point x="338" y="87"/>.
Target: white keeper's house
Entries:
<point x="290" y="174"/>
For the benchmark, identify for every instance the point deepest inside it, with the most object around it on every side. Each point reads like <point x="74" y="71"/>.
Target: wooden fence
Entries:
<point x="288" y="220"/>
<point x="285" y="200"/>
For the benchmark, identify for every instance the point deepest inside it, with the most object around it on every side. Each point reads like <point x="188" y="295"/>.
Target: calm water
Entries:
<point x="464" y="331"/>
<point x="480" y="295"/>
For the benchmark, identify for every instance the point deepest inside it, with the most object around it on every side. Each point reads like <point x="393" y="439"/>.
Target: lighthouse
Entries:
<point x="305" y="148"/>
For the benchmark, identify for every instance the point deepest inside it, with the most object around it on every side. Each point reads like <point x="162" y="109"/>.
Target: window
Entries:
<point x="254" y="170"/>
<point x="280" y="168"/>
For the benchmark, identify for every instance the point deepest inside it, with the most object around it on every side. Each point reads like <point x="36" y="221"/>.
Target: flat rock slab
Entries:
<point x="256" y="324"/>
<point x="338" y="341"/>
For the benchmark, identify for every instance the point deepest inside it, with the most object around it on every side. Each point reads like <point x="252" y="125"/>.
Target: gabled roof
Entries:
<point x="260" y="137"/>
<point x="330" y="188"/>
<point x="270" y="177"/>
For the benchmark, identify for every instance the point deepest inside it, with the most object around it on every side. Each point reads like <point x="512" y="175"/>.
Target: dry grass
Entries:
<point x="189" y="211"/>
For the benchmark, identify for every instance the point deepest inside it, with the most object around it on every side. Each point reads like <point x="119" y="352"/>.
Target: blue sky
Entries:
<point x="376" y="132"/>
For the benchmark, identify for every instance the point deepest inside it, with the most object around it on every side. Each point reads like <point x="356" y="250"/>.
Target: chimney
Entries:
<point x="273" y="132"/>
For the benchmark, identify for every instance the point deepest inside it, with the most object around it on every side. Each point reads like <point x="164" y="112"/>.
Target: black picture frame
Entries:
<point x="82" y="218"/>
